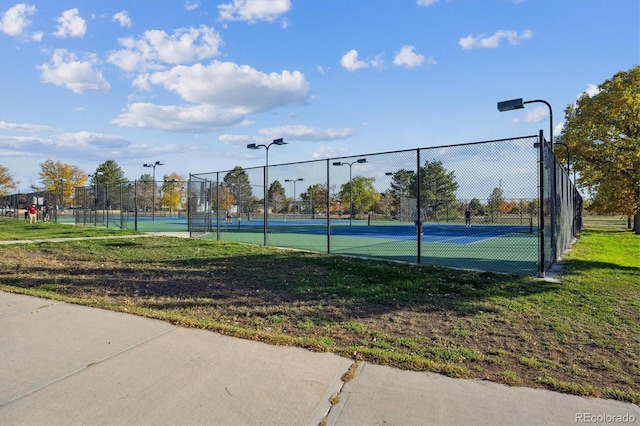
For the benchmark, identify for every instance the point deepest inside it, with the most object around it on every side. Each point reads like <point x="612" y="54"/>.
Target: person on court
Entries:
<point x="33" y="213"/>
<point x="418" y="217"/>
<point x="467" y="217"/>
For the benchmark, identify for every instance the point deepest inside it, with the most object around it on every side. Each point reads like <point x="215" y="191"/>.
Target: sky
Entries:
<point x="190" y="83"/>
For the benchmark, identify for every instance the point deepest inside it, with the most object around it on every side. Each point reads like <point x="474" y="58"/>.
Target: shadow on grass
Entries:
<point x="300" y="285"/>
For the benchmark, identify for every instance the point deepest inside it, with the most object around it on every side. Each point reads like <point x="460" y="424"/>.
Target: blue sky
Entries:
<point x="191" y="83"/>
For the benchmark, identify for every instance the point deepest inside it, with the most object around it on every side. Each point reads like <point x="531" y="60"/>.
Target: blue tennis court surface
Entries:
<point x="452" y="234"/>
<point x="438" y="233"/>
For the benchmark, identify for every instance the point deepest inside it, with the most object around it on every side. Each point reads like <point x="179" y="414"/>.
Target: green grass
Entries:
<point x="580" y="336"/>
<point x="16" y="229"/>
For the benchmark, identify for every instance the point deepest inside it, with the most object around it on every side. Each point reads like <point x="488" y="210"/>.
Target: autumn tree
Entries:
<point x="61" y="179"/>
<point x="496" y="203"/>
<point x="172" y="187"/>
<point x="7" y="182"/>
<point x="360" y="194"/>
<point x="602" y="132"/>
<point x="316" y="197"/>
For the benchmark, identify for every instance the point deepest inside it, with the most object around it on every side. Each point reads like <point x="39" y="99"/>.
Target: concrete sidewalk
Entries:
<point x="69" y="364"/>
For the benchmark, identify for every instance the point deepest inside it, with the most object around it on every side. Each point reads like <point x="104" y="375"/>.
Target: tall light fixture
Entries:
<point x="339" y="163"/>
<point x="294" y="191"/>
<point x="153" y="207"/>
<point x="279" y="141"/>
<point x="519" y="104"/>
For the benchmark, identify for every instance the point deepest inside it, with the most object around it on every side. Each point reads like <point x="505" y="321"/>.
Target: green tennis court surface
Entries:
<point x="511" y="248"/>
<point x="502" y="248"/>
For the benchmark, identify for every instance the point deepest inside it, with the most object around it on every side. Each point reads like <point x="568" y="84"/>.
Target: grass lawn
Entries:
<point x="580" y="336"/>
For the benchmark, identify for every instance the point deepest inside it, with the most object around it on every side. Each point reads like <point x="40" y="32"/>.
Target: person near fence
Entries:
<point x="46" y="215"/>
<point x="33" y="213"/>
<point x="467" y="217"/>
<point x="418" y="217"/>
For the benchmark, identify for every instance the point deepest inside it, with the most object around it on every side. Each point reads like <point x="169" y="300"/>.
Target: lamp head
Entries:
<point x="159" y="163"/>
<point x="147" y="165"/>
<point x="362" y="160"/>
<point x="252" y="146"/>
<point x="510" y="105"/>
<point x="279" y="142"/>
<point x="338" y="163"/>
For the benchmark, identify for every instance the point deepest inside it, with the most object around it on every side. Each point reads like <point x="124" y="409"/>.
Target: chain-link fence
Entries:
<point x="504" y="205"/>
<point x="51" y="206"/>
<point x="144" y="206"/>
<point x="472" y="206"/>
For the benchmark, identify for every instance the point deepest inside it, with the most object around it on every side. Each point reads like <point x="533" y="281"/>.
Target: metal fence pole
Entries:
<point x="541" y="257"/>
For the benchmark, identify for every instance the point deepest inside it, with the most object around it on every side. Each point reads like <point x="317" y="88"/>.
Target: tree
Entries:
<point x="277" y="196"/>
<point x="237" y="181"/>
<point x="316" y="197"/>
<point x="496" y="203"/>
<point x="7" y="182"/>
<point x="363" y="192"/>
<point x="602" y="132"/>
<point x="108" y="179"/>
<point x="438" y="188"/>
<point x="171" y="191"/>
<point x="402" y="183"/>
<point x="476" y="207"/>
<point x="61" y="179"/>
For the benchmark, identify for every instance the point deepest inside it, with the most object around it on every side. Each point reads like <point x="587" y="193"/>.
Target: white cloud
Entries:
<point x="306" y="133"/>
<point x="219" y="95"/>
<point x="191" y="5"/>
<point x="351" y="62"/>
<point x="235" y="140"/>
<point x="155" y="48"/>
<point x="534" y="115"/>
<point x="492" y="42"/>
<point x="253" y="11"/>
<point x="427" y="2"/>
<point x="122" y="18"/>
<point x="408" y="58"/>
<point x="235" y="87"/>
<point x="592" y="90"/>
<point x="78" y="75"/>
<point x="190" y="118"/>
<point x="70" y="24"/>
<point x="24" y="127"/>
<point x="15" y="20"/>
<point x="326" y="151"/>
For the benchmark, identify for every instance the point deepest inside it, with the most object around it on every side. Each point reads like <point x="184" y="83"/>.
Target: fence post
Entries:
<point x="541" y="256"/>
<point x="328" y="203"/>
<point x="418" y="202"/>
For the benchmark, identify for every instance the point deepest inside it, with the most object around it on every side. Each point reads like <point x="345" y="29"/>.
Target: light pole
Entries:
<point x="339" y="163"/>
<point x="294" y="191"/>
<point x="153" y="207"/>
<point x="519" y="104"/>
<point x="266" y="179"/>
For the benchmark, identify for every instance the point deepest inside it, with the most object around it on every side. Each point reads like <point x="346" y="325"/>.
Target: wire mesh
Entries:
<point x="504" y="205"/>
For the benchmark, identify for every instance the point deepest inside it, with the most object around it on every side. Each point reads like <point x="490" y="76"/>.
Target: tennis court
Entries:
<point x="511" y="248"/>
